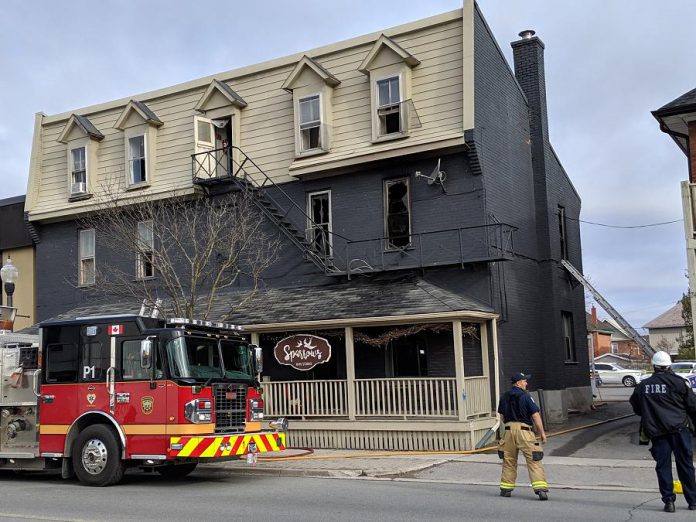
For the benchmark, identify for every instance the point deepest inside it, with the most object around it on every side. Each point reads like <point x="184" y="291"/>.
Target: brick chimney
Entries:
<point x="594" y="316"/>
<point x="528" y="56"/>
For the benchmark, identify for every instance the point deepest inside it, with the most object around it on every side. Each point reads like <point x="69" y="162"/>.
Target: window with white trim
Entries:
<point x="137" y="159"/>
<point x="146" y="246"/>
<point x="614" y="347"/>
<point x="78" y="171"/>
<point x="310" y="123"/>
<point x="397" y="213"/>
<point x="389" y="106"/>
<point x="86" y="257"/>
<point x="319" y="228"/>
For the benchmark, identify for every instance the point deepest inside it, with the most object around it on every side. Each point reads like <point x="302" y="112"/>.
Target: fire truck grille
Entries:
<point x="230" y="407"/>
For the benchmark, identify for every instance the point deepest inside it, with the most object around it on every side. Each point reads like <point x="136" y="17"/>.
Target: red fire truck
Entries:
<point x="97" y="395"/>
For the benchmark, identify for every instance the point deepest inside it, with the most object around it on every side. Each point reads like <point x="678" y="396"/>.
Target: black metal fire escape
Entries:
<point x="232" y="165"/>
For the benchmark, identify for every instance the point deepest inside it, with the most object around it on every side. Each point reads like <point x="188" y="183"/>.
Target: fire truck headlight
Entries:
<point x="256" y="409"/>
<point x="198" y="411"/>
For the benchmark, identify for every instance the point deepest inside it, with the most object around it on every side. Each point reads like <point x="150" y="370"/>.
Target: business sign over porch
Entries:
<point x="302" y="352"/>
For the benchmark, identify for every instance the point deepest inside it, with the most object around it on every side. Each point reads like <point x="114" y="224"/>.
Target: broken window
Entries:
<point x="562" y="232"/>
<point x="568" y="337"/>
<point x="144" y="255"/>
<point x="319" y="229"/>
<point x="397" y="213"/>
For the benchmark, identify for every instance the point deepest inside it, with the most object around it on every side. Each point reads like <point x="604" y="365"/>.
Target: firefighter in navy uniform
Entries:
<point x="521" y="414"/>
<point x="666" y="404"/>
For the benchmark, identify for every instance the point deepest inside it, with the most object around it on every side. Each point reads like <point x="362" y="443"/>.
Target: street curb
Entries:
<point x="362" y="475"/>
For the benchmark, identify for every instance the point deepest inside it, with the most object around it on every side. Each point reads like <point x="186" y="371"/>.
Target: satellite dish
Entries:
<point x="436" y="176"/>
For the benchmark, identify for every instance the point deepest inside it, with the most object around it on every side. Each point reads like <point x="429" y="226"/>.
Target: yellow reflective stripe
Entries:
<point x="212" y="449"/>
<point x="507" y="485"/>
<point x="260" y="444"/>
<point x="273" y="443"/>
<point x="190" y="446"/>
<point x="540" y="483"/>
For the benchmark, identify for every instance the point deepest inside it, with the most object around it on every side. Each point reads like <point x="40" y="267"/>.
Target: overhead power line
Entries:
<point x="626" y="226"/>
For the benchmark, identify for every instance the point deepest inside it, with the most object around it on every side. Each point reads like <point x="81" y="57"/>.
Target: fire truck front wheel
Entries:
<point x="96" y="456"/>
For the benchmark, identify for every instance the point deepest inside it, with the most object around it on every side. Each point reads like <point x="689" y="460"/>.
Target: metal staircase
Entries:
<point x="232" y="165"/>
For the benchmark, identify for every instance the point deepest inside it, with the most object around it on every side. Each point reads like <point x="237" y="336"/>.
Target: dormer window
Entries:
<point x="139" y="125"/>
<point x="137" y="160"/>
<point x="78" y="171"/>
<point x="388" y="65"/>
<point x="389" y="105"/>
<point x="310" y="123"/>
<point x="82" y="140"/>
<point x="312" y="91"/>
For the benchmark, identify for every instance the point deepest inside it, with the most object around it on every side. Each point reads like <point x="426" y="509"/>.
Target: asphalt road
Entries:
<point x="210" y="495"/>
<point x="613" y="393"/>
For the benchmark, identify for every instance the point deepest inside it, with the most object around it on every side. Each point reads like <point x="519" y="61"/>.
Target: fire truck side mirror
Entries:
<point x="146" y="353"/>
<point x="258" y="357"/>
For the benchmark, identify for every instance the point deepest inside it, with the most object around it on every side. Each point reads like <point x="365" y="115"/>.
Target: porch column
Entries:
<point x="459" y="367"/>
<point x="496" y="365"/>
<point x="484" y="359"/>
<point x="350" y="372"/>
<point x="255" y="338"/>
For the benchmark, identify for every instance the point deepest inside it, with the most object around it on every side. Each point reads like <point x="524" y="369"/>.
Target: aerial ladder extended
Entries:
<point x="628" y="329"/>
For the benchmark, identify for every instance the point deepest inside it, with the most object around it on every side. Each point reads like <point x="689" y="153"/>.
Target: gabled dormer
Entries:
<point x="82" y="139"/>
<point x="217" y="128"/>
<point x="388" y="66"/>
<point x="139" y="125"/>
<point x="312" y="94"/>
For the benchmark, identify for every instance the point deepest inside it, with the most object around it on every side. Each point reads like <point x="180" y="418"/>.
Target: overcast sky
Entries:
<point x="608" y="64"/>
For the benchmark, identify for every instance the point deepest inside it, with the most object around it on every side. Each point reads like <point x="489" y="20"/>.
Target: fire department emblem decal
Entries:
<point x="91" y="397"/>
<point x="147" y="404"/>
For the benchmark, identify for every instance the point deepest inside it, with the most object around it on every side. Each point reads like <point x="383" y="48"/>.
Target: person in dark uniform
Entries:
<point x="666" y="405"/>
<point x="520" y="415"/>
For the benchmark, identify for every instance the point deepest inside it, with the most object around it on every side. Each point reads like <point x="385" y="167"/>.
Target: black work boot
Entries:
<point x="542" y="495"/>
<point x="669" y="507"/>
<point x="505" y="493"/>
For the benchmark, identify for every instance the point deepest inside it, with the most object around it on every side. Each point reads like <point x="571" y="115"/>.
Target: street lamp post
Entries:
<point x="9" y="274"/>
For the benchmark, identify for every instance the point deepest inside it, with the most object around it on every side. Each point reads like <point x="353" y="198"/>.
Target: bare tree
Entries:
<point x="185" y="250"/>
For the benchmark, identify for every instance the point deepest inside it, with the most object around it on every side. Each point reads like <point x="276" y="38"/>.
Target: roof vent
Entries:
<point x="527" y="34"/>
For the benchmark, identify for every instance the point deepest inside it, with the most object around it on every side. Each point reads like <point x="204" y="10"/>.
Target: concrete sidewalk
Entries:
<point x="635" y="474"/>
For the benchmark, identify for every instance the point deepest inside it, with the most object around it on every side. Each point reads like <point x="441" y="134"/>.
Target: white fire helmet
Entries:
<point x="661" y="359"/>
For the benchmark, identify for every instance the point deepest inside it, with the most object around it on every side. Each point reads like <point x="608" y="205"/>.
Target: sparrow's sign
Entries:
<point x="302" y="352"/>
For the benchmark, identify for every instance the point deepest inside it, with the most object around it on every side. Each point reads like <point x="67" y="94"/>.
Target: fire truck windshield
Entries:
<point x="208" y="358"/>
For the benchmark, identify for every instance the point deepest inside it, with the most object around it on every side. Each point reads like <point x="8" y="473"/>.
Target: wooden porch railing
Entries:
<point x="306" y="398"/>
<point x="433" y="397"/>
<point x="478" y="396"/>
<point x="406" y="397"/>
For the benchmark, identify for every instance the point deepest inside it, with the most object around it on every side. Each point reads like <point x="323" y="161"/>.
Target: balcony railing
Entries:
<point x="403" y="398"/>
<point x="456" y="246"/>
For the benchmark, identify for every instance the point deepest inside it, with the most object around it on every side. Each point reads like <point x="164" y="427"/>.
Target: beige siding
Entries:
<point x="267" y="123"/>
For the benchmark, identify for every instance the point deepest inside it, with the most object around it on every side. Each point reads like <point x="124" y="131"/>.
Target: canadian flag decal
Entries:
<point x="115" y="329"/>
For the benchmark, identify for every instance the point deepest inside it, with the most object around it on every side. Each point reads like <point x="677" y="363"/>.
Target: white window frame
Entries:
<point x="85" y="257"/>
<point x="85" y="170"/>
<point x="320" y="146"/>
<point x="141" y="260"/>
<point x="310" y="227"/>
<point x="378" y="118"/>
<point x="144" y="159"/>
<point x="385" y="188"/>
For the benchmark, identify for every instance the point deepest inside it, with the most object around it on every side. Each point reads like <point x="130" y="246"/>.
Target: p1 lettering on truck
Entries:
<point x="97" y="395"/>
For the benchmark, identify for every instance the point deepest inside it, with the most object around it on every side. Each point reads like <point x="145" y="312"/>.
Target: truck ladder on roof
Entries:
<point x="649" y="350"/>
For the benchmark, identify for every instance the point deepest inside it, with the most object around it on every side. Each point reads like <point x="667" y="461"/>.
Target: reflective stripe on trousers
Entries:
<point x="517" y="439"/>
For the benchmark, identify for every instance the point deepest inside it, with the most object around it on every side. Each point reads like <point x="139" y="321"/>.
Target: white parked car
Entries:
<point x="611" y="373"/>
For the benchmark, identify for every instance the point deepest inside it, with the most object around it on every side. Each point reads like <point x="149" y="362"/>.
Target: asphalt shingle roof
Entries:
<point x="672" y="318"/>
<point x="387" y="297"/>
<point x="685" y="100"/>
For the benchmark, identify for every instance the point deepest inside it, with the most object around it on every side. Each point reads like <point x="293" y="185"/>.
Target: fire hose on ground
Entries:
<point x="308" y="453"/>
